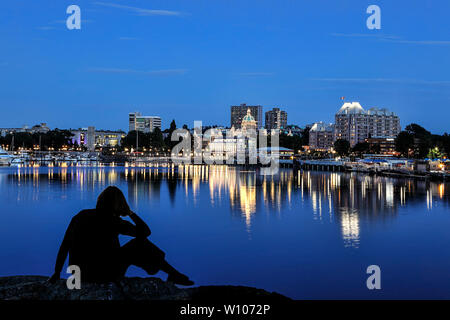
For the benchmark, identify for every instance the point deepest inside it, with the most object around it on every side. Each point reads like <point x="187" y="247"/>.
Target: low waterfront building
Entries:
<point x="91" y="138"/>
<point x="39" y="128"/>
<point x="321" y="136"/>
<point x="383" y="145"/>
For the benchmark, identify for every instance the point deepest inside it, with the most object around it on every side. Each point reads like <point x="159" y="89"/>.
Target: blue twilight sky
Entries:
<point x="192" y="59"/>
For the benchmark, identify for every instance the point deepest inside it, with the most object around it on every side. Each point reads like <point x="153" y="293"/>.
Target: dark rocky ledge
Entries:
<point x="37" y="288"/>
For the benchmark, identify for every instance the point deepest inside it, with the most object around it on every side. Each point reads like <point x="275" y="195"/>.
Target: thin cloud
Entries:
<point x="255" y="74"/>
<point x="164" y="72"/>
<point x="420" y="42"/>
<point x="64" y="21"/>
<point x="364" y="35"/>
<point x="391" y="38"/>
<point x="52" y="24"/>
<point x="384" y="80"/>
<point x="140" y="11"/>
<point x="46" y="28"/>
<point x="128" y="38"/>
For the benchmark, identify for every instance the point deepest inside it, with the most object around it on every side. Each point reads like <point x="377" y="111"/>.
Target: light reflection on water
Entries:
<point x="346" y="197"/>
<point x="307" y="210"/>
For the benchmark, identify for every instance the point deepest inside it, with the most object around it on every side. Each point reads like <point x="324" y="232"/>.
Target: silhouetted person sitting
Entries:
<point x="92" y="242"/>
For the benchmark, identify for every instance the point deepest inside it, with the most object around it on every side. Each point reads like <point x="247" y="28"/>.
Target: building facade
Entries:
<point x="354" y="124"/>
<point x="321" y="136"/>
<point x="383" y="145"/>
<point x="276" y="119"/>
<point x="236" y="143"/>
<point x="239" y="112"/>
<point x="39" y="128"/>
<point x="91" y="138"/>
<point x="382" y="123"/>
<point x="138" y="122"/>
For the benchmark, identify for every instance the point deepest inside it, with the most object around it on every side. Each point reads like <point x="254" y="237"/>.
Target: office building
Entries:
<point x="141" y="123"/>
<point x="276" y="119"/>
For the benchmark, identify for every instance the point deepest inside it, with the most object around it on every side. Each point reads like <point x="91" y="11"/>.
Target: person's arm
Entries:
<point x="139" y="230"/>
<point x="62" y="254"/>
<point x="142" y="229"/>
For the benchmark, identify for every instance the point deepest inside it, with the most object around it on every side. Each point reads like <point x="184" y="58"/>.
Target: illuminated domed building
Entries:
<point x="237" y="142"/>
<point x="248" y="122"/>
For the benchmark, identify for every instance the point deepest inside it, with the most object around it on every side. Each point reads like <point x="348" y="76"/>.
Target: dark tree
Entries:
<point x="305" y="136"/>
<point x="417" y="131"/>
<point x="290" y="142"/>
<point x="156" y="138"/>
<point x="55" y="139"/>
<point x="129" y="141"/>
<point x="168" y="140"/>
<point x="173" y="126"/>
<point x="404" y="142"/>
<point x="342" y="147"/>
<point x="361" y="148"/>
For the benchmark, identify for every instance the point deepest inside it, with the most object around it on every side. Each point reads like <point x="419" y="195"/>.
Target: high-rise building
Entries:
<point x="239" y="112"/>
<point x="141" y="123"/>
<point x="382" y="123"/>
<point x="355" y="124"/>
<point x="321" y="136"/>
<point x="276" y="119"/>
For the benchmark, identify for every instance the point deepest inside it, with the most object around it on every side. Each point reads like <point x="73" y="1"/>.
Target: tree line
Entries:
<point x="53" y="139"/>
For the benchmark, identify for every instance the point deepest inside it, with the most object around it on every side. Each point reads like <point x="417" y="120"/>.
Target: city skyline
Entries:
<point x="301" y="57"/>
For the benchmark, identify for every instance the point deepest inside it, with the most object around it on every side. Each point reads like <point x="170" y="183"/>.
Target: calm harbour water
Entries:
<point x="306" y="235"/>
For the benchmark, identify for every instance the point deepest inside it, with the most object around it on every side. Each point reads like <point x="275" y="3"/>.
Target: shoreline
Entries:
<point x="133" y="288"/>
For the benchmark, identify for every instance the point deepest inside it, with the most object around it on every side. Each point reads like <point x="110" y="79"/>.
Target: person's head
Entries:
<point x="112" y="201"/>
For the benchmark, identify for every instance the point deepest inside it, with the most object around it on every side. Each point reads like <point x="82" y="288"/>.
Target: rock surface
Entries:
<point x="37" y="288"/>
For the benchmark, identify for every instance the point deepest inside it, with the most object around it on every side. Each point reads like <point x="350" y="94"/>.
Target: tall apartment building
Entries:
<point x="141" y="123"/>
<point x="321" y="136"/>
<point x="355" y="124"/>
<point x="239" y="112"/>
<point x="276" y="119"/>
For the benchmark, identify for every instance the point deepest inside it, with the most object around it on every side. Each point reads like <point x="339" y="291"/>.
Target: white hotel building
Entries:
<point x="355" y="124"/>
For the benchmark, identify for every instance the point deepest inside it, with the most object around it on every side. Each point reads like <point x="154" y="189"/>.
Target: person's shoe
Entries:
<point x="180" y="279"/>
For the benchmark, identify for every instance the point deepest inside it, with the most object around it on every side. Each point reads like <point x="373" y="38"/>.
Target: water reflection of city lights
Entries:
<point x="249" y="194"/>
<point x="350" y="227"/>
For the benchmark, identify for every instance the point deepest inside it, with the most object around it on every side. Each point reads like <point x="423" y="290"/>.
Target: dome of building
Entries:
<point x="351" y="108"/>
<point x="248" y="117"/>
<point x="248" y="122"/>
